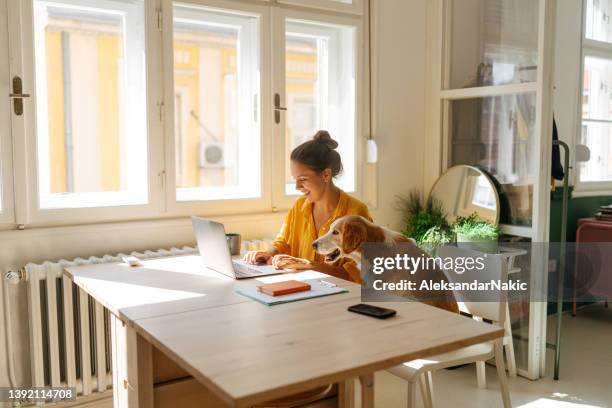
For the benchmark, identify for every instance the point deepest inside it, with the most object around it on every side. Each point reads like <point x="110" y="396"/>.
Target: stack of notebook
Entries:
<point x="604" y="213"/>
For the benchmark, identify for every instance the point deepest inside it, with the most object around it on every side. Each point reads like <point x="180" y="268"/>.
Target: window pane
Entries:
<point x="492" y="42"/>
<point x="91" y="103"/>
<point x="597" y="89"/>
<point x="320" y="91"/>
<point x="597" y="20"/>
<point x="216" y="102"/>
<point x="597" y="136"/>
<point x="497" y="134"/>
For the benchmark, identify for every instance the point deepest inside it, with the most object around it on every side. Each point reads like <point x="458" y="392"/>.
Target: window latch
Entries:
<point x="17" y="96"/>
<point x="277" y="108"/>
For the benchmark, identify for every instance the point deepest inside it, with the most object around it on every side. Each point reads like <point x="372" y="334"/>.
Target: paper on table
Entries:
<point x="317" y="290"/>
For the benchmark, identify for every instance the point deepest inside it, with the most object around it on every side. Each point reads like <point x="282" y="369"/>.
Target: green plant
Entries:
<point x="475" y="228"/>
<point x="437" y="235"/>
<point x="419" y="218"/>
<point x="434" y="237"/>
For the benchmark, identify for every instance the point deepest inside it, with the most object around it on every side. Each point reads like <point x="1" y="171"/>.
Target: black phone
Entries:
<point x="374" y="311"/>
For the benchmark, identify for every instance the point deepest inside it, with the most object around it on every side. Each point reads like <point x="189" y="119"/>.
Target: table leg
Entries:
<point x="114" y="363"/>
<point x="346" y="393"/>
<point x="367" y="390"/>
<point x="144" y="371"/>
<point x="132" y="367"/>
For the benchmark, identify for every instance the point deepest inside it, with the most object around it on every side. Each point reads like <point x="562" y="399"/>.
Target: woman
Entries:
<point x="314" y="165"/>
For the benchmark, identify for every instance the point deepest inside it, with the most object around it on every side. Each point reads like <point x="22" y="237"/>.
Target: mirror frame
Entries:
<point x="497" y="205"/>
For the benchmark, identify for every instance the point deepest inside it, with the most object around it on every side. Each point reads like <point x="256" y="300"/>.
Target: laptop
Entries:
<point x="215" y="252"/>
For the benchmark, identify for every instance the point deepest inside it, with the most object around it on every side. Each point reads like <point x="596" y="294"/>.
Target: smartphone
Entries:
<point x="374" y="311"/>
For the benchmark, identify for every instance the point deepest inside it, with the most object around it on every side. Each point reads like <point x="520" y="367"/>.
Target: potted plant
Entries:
<point x="434" y="237"/>
<point x="420" y="219"/>
<point x="475" y="233"/>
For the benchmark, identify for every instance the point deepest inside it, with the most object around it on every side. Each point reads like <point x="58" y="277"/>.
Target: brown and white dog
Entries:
<point x="346" y="236"/>
<point x="348" y="233"/>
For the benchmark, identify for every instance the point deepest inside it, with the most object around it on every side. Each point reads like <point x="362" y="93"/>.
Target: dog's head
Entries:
<point x="345" y="237"/>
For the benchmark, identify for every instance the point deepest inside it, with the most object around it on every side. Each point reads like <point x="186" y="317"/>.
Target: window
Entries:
<point x="597" y="20"/>
<point x="320" y="90"/>
<point x="91" y="130"/>
<point x="141" y="112"/>
<point x="597" y="119"/>
<point x="596" y="109"/>
<point x="483" y="196"/>
<point x="217" y="119"/>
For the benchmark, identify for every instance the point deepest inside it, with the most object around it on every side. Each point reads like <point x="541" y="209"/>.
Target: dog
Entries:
<point x="345" y="238"/>
<point x="348" y="233"/>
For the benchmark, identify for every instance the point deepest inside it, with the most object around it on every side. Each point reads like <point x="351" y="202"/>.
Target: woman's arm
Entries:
<point x="281" y="242"/>
<point x="283" y="261"/>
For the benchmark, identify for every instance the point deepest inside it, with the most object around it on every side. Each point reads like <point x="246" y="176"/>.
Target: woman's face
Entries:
<point x="309" y="182"/>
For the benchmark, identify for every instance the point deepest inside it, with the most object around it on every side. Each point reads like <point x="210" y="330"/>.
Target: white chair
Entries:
<point x="491" y="309"/>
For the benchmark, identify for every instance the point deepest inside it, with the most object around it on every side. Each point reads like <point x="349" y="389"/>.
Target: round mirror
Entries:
<point x="465" y="190"/>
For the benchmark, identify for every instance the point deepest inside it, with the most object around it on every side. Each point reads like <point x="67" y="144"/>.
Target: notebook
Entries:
<point x="317" y="289"/>
<point x="283" y="287"/>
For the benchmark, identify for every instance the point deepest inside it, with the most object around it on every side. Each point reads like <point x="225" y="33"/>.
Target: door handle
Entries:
<point x="277" y="108"/>
<point x="17" y="96"/>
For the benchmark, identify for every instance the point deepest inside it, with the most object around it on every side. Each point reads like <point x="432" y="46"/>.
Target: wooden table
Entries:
<point x="181" y="334"/>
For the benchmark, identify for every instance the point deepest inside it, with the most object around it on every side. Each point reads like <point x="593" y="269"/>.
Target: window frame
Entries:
<point x="355" y="7"/>
<point x="25" y="135"/>
<point x="280" y="199"/>
<point x="7" y="217"/>
<point x="221" y="206"/>
<point x="596" y="49"/>
<point x="21" y="188"/>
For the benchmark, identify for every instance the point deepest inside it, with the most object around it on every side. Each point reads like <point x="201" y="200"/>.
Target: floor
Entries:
<point x="586" y="373"/>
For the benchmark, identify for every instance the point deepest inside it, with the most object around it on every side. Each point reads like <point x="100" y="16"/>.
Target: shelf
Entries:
<point x="518" y="230"/>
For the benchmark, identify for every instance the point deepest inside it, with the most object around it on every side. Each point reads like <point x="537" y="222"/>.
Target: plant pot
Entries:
<point x="490" y="246"/>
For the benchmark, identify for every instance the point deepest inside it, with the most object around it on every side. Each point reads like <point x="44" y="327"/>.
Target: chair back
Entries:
<point x="490" y="304"/>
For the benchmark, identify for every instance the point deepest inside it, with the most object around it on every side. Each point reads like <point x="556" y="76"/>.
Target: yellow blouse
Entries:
<point x="298" y="231"/>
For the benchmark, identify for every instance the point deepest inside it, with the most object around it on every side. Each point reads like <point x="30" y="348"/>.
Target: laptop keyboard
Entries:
<point x="243" y="270"/>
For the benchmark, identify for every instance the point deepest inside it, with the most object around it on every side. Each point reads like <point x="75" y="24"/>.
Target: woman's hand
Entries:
<point x="255" y="257"/>
<point x="283" y="261"/>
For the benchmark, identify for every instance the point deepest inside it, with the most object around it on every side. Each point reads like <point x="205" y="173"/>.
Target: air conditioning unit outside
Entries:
<point x="212" y="155"/>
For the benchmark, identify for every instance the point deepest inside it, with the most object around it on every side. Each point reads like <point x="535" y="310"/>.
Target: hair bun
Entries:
<point x="323" y="137"/>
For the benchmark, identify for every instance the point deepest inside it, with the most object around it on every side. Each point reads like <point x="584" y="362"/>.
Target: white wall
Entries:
<point x="399" y="94"/>
<point x="399" y="128"/>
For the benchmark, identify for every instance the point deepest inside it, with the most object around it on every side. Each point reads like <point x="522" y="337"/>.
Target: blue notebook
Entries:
<point x="317" y="289"/>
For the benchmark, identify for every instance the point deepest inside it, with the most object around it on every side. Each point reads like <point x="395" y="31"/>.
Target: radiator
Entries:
<point x="69" y="332"/>
<point x="70" y="342"/>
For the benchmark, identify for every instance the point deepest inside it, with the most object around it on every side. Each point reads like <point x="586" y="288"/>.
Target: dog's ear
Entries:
<point x="375" y="234"/>
<point x="354" y="234"/>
